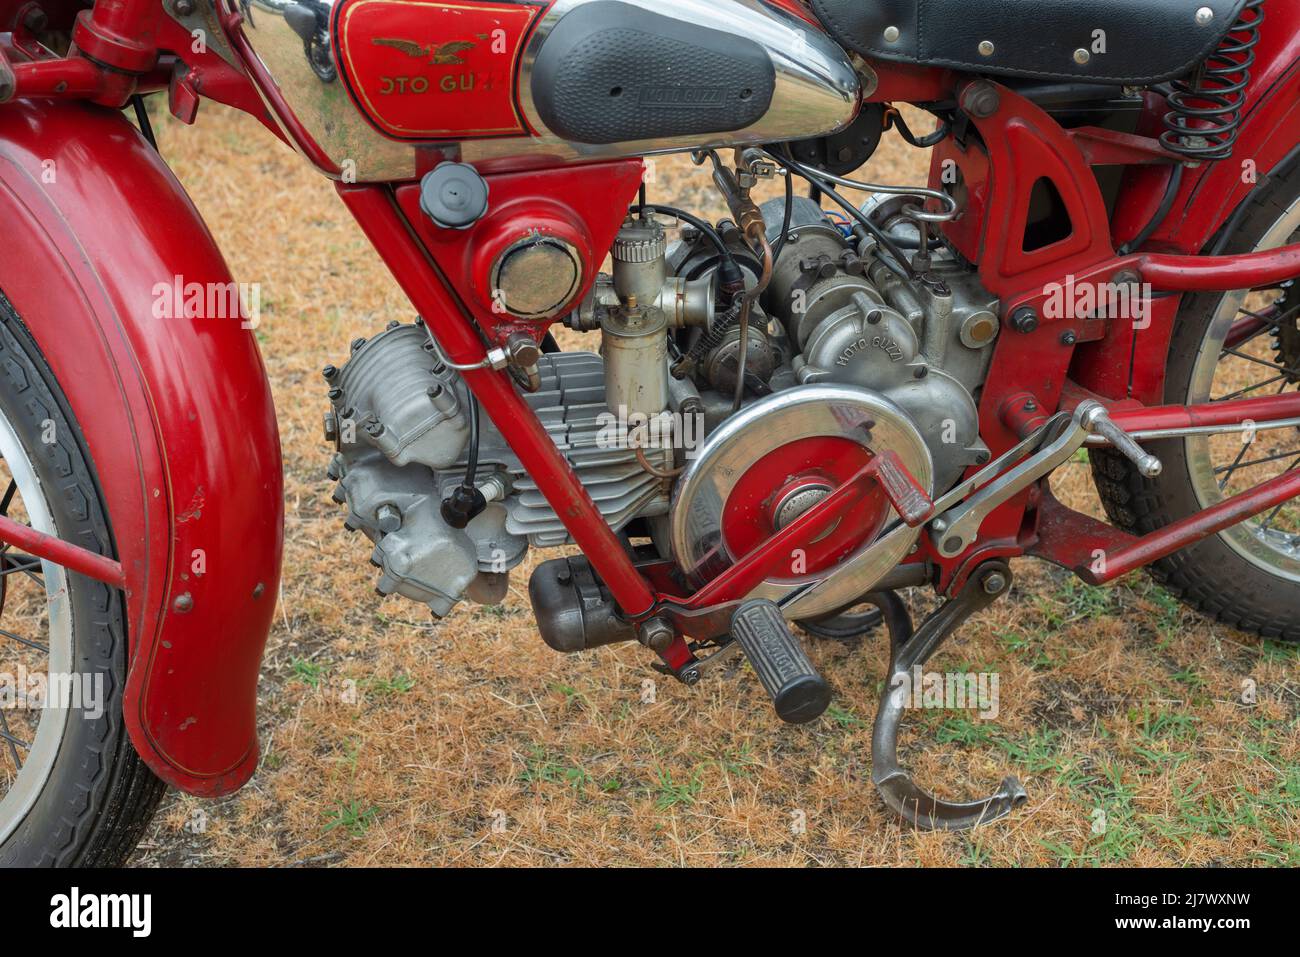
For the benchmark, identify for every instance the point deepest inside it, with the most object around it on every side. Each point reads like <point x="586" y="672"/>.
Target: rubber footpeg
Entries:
<point x="798" y="692"/>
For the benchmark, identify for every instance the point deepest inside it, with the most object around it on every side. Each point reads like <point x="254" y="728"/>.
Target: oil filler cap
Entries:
<point x="454" y="195"/>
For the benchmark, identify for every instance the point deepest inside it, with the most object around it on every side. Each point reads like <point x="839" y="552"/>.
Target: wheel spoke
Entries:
<point x="8" y="497"/>
<point x="1256" y="324"/>
<point x="1238" y="464"/>
<point x="1263" y="362"/>
<point x="1258" y="385"/>
<point x="1272" y="516"/>
<point x="14" y="742"/>
<point x="43" y="649"/>
<point x="28" y="564"/>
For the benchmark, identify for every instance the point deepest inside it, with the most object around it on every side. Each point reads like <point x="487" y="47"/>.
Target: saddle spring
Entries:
<point x="1205" y="108"/>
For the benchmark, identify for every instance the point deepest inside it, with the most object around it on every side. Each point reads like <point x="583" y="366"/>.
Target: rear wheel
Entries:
<point x="72" y="789"/>
<point x="1227" y="346"/>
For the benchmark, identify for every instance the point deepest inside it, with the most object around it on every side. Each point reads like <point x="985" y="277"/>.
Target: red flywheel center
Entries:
<point x="788" y="481"/>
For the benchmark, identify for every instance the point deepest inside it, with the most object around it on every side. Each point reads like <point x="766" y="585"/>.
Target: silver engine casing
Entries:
<point x="399" y="420"/>
<point x="837" y="321"/>
<point x="925" y="345"/>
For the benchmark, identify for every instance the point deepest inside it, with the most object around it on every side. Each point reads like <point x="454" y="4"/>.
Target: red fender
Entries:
<point x="176" y="412"/>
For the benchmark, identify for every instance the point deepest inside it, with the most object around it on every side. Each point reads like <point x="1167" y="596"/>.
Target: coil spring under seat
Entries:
<point x="1204" y="115"/>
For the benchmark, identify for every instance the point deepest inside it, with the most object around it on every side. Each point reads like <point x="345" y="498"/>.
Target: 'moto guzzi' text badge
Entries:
<point x="425" y="70"/>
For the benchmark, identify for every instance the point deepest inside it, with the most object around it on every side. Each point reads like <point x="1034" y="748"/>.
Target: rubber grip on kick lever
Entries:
<point x="798" y="692"/>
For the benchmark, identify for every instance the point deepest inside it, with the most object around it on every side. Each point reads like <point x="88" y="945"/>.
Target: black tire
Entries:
<point x="99" y="796"/>
<point x="846" y="625"/>
<point x="1211" y="576"/>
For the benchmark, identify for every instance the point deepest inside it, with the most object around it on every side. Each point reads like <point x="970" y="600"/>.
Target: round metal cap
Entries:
<point x="639" y="242"/>
<point x="454" y="195"/>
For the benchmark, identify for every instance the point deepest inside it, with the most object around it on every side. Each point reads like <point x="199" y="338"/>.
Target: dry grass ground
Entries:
<point x="471" y="743"/>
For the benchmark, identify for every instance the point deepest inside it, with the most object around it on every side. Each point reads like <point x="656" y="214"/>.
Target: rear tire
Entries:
<point x="1218" y="577"/>
<point x="89" y="803"/>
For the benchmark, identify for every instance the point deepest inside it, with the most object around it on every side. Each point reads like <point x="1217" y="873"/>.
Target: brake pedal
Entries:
<point x="798" y="692"/>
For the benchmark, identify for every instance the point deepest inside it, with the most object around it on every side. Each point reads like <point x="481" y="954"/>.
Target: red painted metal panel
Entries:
<point x="583" y="206"/>
<point x="177" y="415"/>
<point x="422" y="69"/>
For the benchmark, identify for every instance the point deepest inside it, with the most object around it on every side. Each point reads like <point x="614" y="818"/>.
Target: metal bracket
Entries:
<point x="957" y="529"/>
<point x="908" y="650"/>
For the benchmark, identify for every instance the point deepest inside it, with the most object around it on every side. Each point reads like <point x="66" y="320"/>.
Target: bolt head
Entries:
<point x="986" y="48"/>
<point x="524" y="352"/>
<point x="995" y="583"/>
<point x="1024" y="319"/>
<point x="980" y="100"/>
<point x="1082" y="56"/>
<point x="388" y="518"/>
<point x="657" y="634"/>
<point x="892" y="34"/>
<point x="1204" y="16"/>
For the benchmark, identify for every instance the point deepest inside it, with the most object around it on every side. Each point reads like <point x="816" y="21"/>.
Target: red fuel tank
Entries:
<point x="381" y="90"/>
<point x="420" y="69"/>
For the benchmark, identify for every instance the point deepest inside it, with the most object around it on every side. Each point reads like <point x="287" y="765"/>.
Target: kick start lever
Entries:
<point x="910" y="650"/>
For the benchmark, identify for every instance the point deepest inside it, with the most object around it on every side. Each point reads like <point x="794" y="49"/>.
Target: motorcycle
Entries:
<point x="788" y="416"/>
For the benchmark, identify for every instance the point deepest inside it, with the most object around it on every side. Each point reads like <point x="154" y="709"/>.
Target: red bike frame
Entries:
<point x="176" y="480"/>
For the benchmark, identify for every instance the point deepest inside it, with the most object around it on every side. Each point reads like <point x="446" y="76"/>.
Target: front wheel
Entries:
<point x="1227" y="346"/>
<point x="73" y="791"/>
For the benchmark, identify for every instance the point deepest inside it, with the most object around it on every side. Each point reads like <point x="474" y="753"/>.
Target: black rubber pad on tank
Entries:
<point x="611" y="72"/>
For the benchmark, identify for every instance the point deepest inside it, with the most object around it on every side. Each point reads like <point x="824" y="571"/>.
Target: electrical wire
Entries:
<point x="471" y="467"/>
<point x="786" y="218"/>
<point x="750" y="297"/>
<point x="142" y="118"/>
<point x="705" y="228"/>
<point x="901" y="266"/>
<point x="1166" y="204"/>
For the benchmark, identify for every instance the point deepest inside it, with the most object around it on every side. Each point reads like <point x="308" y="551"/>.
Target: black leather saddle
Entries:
<point x="1134" y="42"/>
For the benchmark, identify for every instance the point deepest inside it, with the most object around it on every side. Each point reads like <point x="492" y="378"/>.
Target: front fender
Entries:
<point x="177" y="415"/>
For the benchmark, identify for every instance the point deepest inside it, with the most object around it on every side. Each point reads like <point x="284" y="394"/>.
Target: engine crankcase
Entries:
<point x="872" y="345"/>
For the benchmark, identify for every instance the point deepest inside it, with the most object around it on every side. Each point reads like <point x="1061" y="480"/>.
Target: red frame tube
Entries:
<point x="78" y="559"/>
<point x="1255" y="409"/>
<point x="1218" y="273"/>
<point x="1193" y="528"/>
<point x="752" y="570"/>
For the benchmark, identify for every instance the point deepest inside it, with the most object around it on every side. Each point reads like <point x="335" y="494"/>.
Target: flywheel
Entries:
<point x="770" y="463"/>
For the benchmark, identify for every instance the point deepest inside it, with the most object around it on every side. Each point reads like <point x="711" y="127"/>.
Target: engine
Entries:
<point x="843" y="353"/>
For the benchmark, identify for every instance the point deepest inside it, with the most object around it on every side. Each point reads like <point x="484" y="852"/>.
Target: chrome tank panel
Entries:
<point x="817" y="90"/>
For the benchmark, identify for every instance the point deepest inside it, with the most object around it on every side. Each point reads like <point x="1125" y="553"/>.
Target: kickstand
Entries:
<point x="908" y="650"/>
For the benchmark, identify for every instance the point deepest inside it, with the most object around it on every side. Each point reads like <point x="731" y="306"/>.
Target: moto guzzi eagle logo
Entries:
<point x="444" y="54"/>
